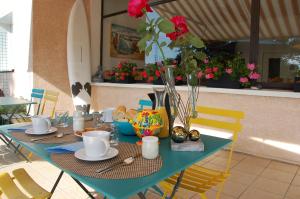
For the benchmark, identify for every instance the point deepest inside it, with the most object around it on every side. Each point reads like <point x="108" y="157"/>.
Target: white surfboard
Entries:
<point x="78" y="56"/>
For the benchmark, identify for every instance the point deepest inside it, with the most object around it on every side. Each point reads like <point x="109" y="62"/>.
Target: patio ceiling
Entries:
<point x="230" y="19"/>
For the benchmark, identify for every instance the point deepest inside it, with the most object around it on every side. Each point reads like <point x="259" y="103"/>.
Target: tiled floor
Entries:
<point x="251" y="177"/>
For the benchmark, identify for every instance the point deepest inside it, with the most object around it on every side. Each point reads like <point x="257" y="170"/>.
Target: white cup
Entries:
<point x="41" y="124"/>
<point x="108" y="114"/>
<point x="150" y="148"/>
<point x="96" y="143"/>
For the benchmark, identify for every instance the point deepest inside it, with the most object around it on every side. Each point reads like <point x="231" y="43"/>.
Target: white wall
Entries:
<point x="95" y="22"/>
<point x="20" y="44"/>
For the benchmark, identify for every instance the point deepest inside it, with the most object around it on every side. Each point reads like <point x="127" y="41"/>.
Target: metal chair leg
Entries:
<point x="221" y="186"/>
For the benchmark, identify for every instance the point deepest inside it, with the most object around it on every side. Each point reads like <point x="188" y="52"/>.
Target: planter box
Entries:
<point x="158" y="82"/>
<point x="223" y="82"/>
<point x="127" y="80"/>
<point x="297" y="84"/>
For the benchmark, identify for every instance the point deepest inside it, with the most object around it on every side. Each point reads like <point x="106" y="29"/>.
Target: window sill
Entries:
<point x="251" y="92"/>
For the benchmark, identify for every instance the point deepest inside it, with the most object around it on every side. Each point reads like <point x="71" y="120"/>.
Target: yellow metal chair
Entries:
<point x="12" y="191"/>
<point x="200" y="179"/>
<point x="50" y="99"/>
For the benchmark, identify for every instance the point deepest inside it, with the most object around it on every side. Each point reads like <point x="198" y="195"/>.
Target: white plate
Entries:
<point x="112" y="152"/>
<point x="31" y="132"/>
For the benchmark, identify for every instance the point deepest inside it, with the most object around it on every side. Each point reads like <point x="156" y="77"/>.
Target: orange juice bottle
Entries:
<point x="160" y="96"/>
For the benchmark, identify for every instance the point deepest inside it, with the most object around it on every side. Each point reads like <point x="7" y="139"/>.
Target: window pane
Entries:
<point x="279" y="49"/>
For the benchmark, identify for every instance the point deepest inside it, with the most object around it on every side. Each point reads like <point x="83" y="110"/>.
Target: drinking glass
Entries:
<point x="97" y="119"/>
<point x="61" y="118"/>
<point x="114" y="135"/>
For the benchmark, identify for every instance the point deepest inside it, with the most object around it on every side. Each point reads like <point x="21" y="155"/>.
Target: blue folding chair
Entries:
<point x="143" y="103"/>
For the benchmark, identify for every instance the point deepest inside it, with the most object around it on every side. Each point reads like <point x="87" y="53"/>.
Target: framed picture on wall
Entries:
<point x="124" y="42"/>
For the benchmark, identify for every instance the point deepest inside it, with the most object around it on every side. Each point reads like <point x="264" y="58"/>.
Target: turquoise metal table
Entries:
<point x="173" y="162"/>
<point x="14" y="103"/>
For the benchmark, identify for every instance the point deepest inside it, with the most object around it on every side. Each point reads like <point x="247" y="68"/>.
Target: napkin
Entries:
<point x="22" y="128"/>
<point x="66" y="148"/>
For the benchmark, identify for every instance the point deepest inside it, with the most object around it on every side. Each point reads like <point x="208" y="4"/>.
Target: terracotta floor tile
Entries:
<point x="252" y="160"/>
<point x="293" y="192"/>
<point x="254" y="193"/>
<point x="281" y="176"/>
<point x="285" y="167"/>
<point x="212" y="194"/>
<point x="221" y="161"/>
<point x="296" y="180"/>
<point x="241" y="177"/>
<point x="271" y="186"/>
<point x="248" y="168"/>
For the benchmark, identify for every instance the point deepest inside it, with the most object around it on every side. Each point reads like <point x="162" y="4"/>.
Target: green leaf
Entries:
<point x="162" y="44"/>
<point x="195" y="41"/>
<point x="148" y="49"/>
<point x="166" y="26"/>
<point x="142" y="27"/>
<point x="142" y="44"/>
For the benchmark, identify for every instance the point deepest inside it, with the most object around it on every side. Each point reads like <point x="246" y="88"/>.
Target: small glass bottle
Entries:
<point x="78" y="121"/>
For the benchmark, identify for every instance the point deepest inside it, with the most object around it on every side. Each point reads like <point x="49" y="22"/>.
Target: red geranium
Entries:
<point x="136" y="8"/>
<point x="144" y="74"/>
<point x="179" y="78"/>
<point x="180" y="27"/>
<point x="157" y="73"/>
<point x="209" y="76"/>
<point x="151" y="78"/>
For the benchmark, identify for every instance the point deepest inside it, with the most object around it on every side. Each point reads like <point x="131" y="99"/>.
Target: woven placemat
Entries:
<point x="139" y="168"/>
<point x="69" y="138"/>
<point x="52" y="138"/>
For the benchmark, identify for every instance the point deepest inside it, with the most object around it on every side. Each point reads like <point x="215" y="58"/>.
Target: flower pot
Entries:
<point x="297" y="84"/>
<point x="158" y="82"/>
<point x="127" y="80"/>
<point x="223" y="82"/>
<point x="140" y="81"/>
<point x="180" y="82"/>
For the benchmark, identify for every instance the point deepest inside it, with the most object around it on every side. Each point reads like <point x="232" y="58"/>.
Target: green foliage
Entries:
<point x="166" y="26"/>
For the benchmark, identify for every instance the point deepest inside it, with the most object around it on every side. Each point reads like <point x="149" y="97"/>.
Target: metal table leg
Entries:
<point x="56" y="183"/>
<point x="141" y="195"/>
<point x="177" y="184"/>
<point x="83" y="188"/>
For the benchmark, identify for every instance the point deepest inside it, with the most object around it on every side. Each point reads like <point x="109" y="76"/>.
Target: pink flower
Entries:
<point x="200" y="74"/>
<point x="205" y="61"/>
<point x="228" y="70"/>
<point x="251" y="66"/>
<point x="215" y="69"/>
<point x="208" y="70"/>
<point x="178" y="78"/>
<point x="244" y="80"/>
<point x="254" y="75"/>
<point x="119" y="66"/>
<point x="122" y="77"/>
<point x="209" y="76"/>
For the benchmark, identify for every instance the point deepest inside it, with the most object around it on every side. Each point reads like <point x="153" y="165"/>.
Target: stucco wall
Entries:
<point x="50" y="23"/>
<point x="271" y="124"/>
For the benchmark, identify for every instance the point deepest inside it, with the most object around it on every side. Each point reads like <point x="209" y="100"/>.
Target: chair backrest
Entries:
<point x="143" y="103"/>
<point x="232" y="126"/>
<point x="37" y="94"/>
<point x="50" y="97"/>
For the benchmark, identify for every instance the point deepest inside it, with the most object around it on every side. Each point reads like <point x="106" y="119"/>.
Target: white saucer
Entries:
<point x="80" y="154"/>
<point x="31" y="132"/>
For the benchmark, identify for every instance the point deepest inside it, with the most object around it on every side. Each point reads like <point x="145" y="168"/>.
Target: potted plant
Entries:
<point x="107" y="75"/>
<point x="234" y="73"/>
<point x="138" y="75"/>
<point x="123" y="72"/>
<point x="297" y="81"/>
<point x="152" y="73"/>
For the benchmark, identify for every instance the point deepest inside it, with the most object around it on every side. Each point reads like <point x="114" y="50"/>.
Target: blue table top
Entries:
<point x="173" y="162"/>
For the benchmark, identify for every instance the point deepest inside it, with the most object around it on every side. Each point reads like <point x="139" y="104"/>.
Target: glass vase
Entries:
<point x="160" y="96"/>
<point x="170" y="87"/>
<point x="192" y="81"/>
